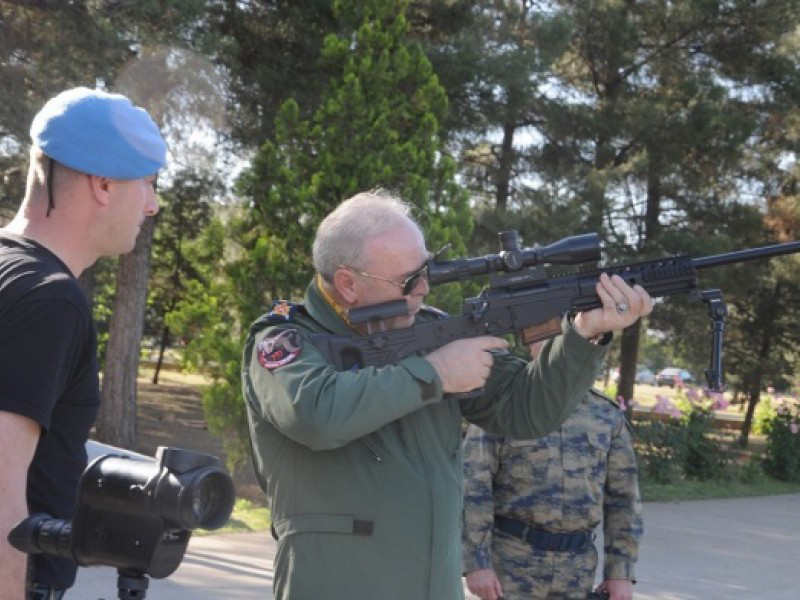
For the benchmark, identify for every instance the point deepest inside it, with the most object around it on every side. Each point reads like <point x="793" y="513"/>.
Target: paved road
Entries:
<point x="706" y="550"/>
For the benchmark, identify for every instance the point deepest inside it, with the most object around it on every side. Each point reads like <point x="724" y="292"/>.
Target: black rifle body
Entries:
<point x="528" y="302"/>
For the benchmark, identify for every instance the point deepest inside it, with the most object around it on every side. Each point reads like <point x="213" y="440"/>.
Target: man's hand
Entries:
<point x="464" y="365"/>
<point x="484" y="584"/>
<point x="617" y="589"/>
<point x="622" y="306"/>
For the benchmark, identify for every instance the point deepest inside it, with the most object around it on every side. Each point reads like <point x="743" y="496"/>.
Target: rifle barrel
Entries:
<point x="727" y="258"/>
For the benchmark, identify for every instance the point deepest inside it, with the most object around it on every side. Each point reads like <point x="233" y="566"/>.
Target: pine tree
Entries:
<point x="376" y="127"/>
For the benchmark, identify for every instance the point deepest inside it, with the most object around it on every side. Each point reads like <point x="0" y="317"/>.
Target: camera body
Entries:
<point x="135" y="514"/>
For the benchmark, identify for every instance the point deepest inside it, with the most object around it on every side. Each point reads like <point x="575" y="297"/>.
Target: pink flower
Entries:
<point x="794" y="428"/>
<point x="664" y="406"/>
<point x="718" y="401"/>
<point x="719" y="404"/>
<point x="693" y="395"/>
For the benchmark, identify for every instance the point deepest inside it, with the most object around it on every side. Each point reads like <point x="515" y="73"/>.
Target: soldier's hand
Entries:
<point x="464" y="365"/>
<point x="484" y="584"/>
<point x="617" y="589"/>
<point x="622" y="306"/>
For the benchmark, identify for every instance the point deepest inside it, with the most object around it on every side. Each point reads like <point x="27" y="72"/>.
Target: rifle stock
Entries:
<point x="525" y="300"/>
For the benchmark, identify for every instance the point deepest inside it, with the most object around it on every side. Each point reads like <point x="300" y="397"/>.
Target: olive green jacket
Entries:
<point x="363" y="471"/>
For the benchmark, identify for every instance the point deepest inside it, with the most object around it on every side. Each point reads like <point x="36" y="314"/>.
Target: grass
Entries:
<point x="759" y="485"/>
<point x="246" y="517"/>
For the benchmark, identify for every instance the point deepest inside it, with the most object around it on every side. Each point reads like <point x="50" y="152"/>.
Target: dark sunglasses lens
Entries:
<point x="412" y="282"/>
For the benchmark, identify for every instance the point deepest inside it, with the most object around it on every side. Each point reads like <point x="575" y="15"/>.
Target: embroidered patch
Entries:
<point x="279" y="348"/>
<point x="281" y="308"/>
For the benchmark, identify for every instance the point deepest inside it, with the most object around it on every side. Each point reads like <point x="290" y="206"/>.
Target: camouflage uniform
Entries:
<point x="564" y="482"/>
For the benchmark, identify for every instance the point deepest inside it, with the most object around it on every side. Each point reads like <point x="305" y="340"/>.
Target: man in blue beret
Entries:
<point x="91" y="184"/>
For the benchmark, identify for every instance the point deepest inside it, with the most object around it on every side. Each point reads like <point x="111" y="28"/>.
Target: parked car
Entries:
<point x="670" y="376"/>
<point x="645" y="375"/>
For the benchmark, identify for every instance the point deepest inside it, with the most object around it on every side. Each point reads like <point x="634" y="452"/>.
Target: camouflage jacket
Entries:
<point x="566" y="481"/>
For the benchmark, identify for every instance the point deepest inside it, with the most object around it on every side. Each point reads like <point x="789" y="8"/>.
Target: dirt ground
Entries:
<point x="171" y="414"/>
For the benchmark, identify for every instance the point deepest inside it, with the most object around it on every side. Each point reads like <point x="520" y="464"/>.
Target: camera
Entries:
<point x="135" y="514"/>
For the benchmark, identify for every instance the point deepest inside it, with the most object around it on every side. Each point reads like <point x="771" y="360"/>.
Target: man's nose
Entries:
<point x="423" y="287"/>
<point x="151" y="208"/>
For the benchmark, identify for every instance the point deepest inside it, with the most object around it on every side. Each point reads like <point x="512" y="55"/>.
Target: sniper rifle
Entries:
<point x="522" y="298"/>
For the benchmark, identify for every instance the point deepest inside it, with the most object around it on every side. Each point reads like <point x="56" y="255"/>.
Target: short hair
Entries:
<point x="343" y="233"/>
<point x="42" y="172"/>
<point x="37" y="172"/>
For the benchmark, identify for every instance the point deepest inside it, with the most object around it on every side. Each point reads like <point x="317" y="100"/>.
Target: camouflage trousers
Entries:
<point x="529" y="574"/>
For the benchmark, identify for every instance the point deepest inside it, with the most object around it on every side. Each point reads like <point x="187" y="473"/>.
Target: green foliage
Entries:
<point x="701" y="455"/>
<point x="657" y="450"/>
<point x="376" y="126"/>
<point x="782" y="459"/>
<point x="763" y="415"/>
<point x="683" y="442"/>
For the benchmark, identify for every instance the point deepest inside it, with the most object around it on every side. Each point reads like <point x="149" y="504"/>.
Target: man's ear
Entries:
<point x="344" y="282"/>
<point x="100" y="187"/>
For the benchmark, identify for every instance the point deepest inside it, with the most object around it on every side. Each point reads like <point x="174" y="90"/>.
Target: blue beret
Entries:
<point x="99" y="133"/>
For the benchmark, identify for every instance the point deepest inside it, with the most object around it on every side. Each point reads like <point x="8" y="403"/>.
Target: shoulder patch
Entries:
<point x="279" y="347"/>
<point x="284" y="311"/>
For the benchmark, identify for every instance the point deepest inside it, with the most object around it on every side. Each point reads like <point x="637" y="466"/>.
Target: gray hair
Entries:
<point x="342" y="234"/>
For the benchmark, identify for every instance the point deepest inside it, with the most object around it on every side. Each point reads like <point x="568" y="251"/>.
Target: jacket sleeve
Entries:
<point x="622" y="508"/>
<point x="319" y="407"/>
<point x="481" y="460"/>
<point x="529" y="399"/>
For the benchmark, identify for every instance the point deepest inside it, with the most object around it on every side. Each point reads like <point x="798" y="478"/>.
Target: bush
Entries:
<point x="683" y="442"/>
<point x="782" y="459"/>
<point x="764" y="413"/>
<point x="657" y="450"/>
<point x="702" y="456"/>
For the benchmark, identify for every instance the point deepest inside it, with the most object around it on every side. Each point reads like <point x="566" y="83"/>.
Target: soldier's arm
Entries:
<point x="299" y="393"/>
<point x="18" y="438"/>
<point x="481" y="457"/>
<point x="529" y="399"/>
<point x="622" y="508"/>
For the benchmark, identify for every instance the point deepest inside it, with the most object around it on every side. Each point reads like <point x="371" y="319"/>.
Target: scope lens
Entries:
<point x="212" y="499"/>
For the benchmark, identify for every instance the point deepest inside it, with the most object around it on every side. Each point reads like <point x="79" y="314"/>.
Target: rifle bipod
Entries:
<point x="717" y="310"/>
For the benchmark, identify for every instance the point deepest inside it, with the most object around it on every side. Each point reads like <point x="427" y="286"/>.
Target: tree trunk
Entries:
<point x="161" y="349"/>
<point x="504" y="173"/>
<point x="116" y="423"/>
<point x="752" y="400"/>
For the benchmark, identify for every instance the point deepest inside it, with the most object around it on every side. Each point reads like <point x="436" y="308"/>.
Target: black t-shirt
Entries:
<point x="48" y="373"/>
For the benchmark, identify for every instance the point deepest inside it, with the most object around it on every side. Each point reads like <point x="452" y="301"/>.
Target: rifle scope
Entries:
<point x="571" y="250"/>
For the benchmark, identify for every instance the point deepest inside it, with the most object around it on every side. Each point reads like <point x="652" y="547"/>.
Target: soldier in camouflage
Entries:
<point x="531" y="508"/>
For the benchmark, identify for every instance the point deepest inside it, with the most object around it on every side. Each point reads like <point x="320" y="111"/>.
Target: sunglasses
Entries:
<point x="408" y="284"/>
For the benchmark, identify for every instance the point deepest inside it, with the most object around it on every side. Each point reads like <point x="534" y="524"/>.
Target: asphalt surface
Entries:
<point x="745" y="548"/>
